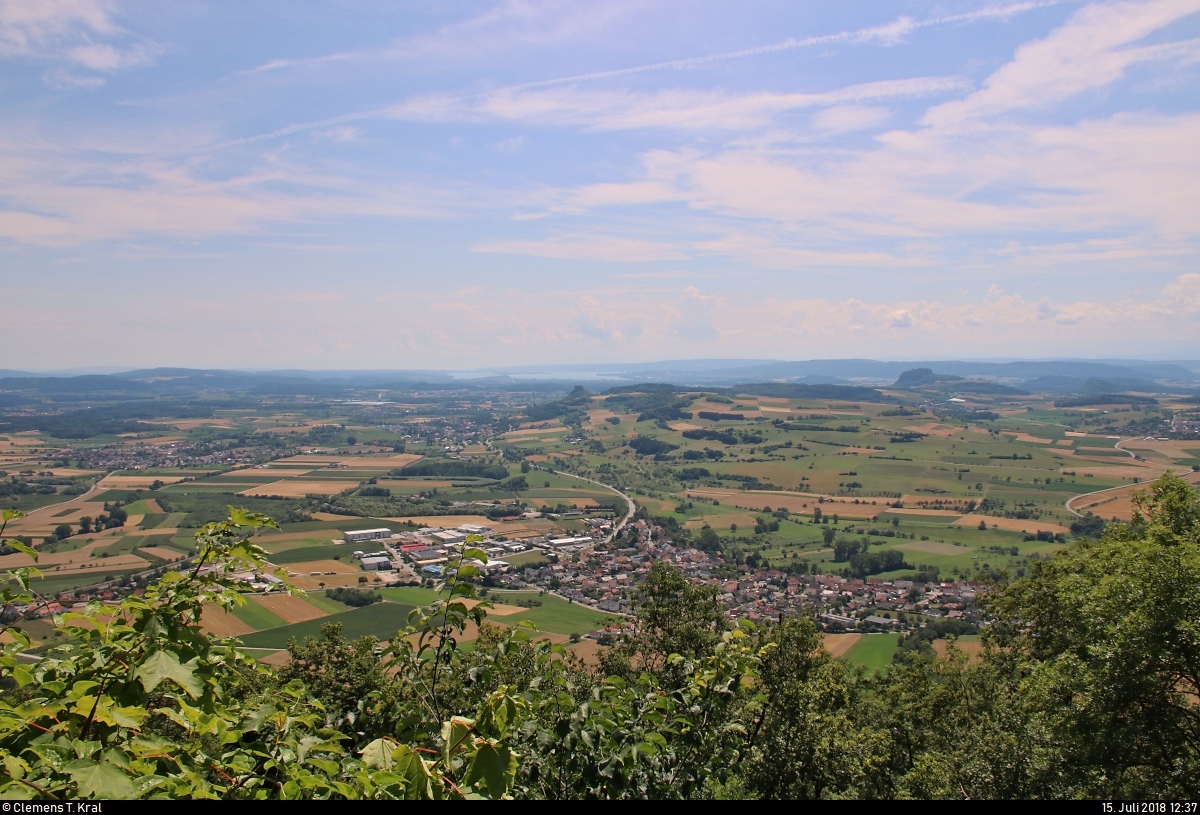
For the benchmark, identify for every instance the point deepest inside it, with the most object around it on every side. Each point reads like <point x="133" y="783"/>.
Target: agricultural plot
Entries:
<point x="873" y="651"/>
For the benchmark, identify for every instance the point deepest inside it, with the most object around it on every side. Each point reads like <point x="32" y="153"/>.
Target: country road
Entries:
<point x="632" y="507"/>
<point x="1180" y="472"/>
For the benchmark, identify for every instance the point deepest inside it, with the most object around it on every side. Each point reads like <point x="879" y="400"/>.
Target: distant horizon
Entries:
<point x="584" y="367"/>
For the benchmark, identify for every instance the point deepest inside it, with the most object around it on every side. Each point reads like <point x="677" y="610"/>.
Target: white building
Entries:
<point x="476" y="529"/>
<point x="558" y="543"/>
<point x="360" y="535"/>
<point x="372" y="564"/>
<point x="448" y="537"/>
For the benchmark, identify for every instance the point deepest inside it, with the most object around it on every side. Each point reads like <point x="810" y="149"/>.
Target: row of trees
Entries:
<point x="1086" y="688"/>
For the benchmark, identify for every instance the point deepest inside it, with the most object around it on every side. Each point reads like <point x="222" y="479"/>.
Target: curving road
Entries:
<point x="632" y="507"/>
<point x="1074" y="498"/>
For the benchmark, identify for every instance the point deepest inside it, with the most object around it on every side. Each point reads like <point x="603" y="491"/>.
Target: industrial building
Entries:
<point x="359" y="535"/>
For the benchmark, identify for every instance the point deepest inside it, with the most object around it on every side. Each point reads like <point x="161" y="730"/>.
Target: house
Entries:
<point x="372" y="564"/>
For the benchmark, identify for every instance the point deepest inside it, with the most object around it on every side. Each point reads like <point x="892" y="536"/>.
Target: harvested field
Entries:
<point x="190" y="424"/>
<point x="161" y="552"/>
<point x="220" y="623"/>
<point x="313" y="460"/>
<point x="771" y="400"/>
<point x="341" y="580"/>
<point x="587" y="650"/>
<point x="791" y="501"/>
<point x="575" y="502"/>
<point x="752" y="413"/>
<point x="1171" y="449"/>
<point x="971" y="646"/>
<point x="935" y="429"/>
<point x="1064" y="442"/>
<point x="323" y="566"/>
<point x="1026" y="437"/>
<point x="744" y="520"/>
<point x="288" y="608"/>
<point x="935" y="548"/>
<point x="1146" y="472"/>
<point x="327" y="516"/>
<point x="298" y="489"/>
<point x="278" y="472"/>
<point x="385" y="462"/>
<point x="941" y="513"/>
<point x="599" y="417"/>
<point x="277" y="659"/>
<point x="682" y="426"/>
<point x="136" y="482"/>
<point x="420" y="484"/>
<point x="1012" y="524"/>
<point x="838" y="644"/>
<point x="134" y="520"/>
<point x="1075" y="434"/>
<point x="448" y="521"/>
<point x="533" y="431"/>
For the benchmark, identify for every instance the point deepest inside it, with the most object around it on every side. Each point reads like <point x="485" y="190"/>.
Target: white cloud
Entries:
<point x="587" y="247"/>
<point x="73" y="36"/>
<point x="672" y="109"/>
<point x="1085" y="53"/>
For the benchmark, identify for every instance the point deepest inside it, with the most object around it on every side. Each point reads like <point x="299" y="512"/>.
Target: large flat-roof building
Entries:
<point x="359" y="535"/>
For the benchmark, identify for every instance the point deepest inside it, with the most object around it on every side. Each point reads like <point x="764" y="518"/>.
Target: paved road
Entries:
<point x="632" y="507"/>
<point x="1073" y="499"/>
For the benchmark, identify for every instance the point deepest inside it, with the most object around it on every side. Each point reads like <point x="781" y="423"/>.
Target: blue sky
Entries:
<point x="420" y="184"/>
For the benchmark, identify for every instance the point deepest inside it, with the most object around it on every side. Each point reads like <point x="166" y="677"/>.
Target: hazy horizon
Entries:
<point x="397" y="185"/>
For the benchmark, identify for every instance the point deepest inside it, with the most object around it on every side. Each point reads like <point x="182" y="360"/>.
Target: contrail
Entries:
<point x="889" y="31"/>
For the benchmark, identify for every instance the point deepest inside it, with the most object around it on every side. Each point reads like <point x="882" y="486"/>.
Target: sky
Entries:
<point x="410" y="184"/>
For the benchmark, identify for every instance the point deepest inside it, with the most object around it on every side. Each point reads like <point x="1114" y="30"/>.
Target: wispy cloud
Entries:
<point x="537" y="101"/>
<point x="71" y="36"/>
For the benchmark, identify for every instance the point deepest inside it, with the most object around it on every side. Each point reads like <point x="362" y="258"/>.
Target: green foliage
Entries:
<point x="1086" y="688"/>
<point x="353" y="597"/>
<point x="452" y="468"/>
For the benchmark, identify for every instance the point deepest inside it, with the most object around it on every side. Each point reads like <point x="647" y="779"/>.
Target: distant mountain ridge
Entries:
<point x="1051" y="376"/>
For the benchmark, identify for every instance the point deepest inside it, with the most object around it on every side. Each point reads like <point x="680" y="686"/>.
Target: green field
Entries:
<point x="381" y="620"/>
<point x="305" y="554"/>
<point x="874" y="651"/>
<point x="555" y="615"/>
<point x="254" y="615"/>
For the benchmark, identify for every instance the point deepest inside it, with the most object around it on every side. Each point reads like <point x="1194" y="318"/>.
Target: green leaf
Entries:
<point x="475" y="554"/>
<point x="244" y="517"/>
<point x="415" y="771"/>
<point x="495" y="766"/>
<point x="378" y="755"/>
<point x="11" y="514"/>
<point x="165" y="665"/>
<point x="100" y="780"/>
<point x="20" y="547"/>
<point x="454" y="733"/>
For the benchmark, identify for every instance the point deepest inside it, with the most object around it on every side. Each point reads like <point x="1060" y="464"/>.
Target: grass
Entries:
<point x="381" y="620"/>
<point x="874" y="651"/>
<point x="254" y="615"/>
<point x="554" y="615"/>
<point x="409" y="595"/>
<point x="305" y="554"/>
<point x="322" y="602"/>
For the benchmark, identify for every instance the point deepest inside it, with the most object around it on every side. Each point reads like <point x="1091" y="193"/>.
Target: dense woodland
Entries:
<point x="1087" y="688"/>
